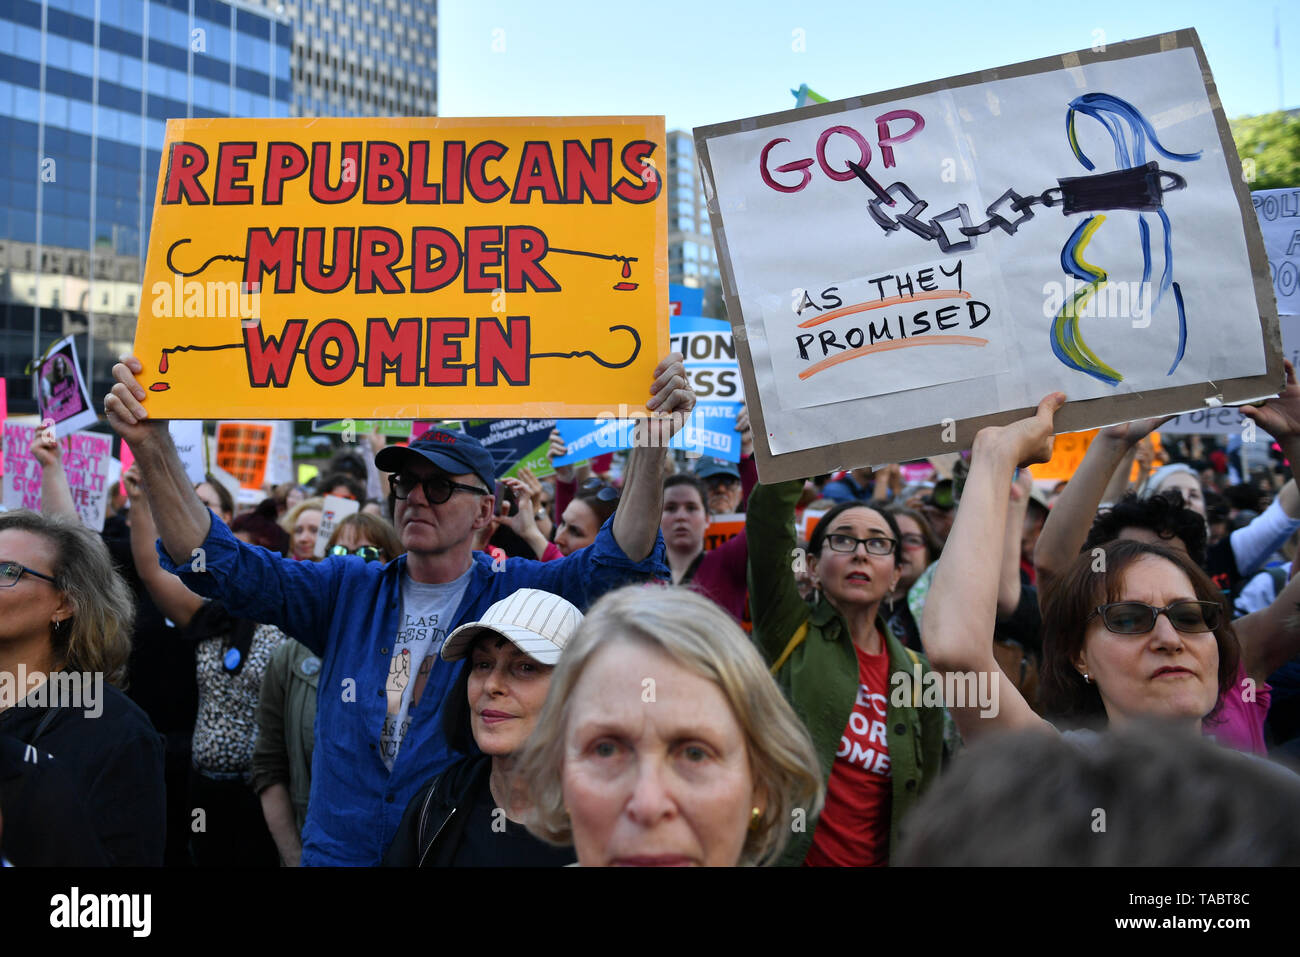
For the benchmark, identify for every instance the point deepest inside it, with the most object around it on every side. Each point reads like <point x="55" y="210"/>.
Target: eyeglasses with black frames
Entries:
<point x="847" y="543"/>
<point x="1138" y="618"/>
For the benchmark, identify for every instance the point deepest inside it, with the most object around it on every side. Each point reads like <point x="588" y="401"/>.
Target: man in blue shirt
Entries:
<point x="377" y="628"/>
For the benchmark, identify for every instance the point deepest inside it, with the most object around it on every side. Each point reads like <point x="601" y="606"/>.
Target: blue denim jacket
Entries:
<point x="347" y="611"/>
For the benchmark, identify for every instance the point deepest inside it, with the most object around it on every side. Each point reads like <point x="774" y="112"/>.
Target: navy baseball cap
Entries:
<point x="454" y="452"/>
<point x="707" y="468"/>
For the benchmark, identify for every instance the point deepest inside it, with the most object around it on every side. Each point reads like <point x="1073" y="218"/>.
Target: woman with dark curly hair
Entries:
<point x="65" y="626"/>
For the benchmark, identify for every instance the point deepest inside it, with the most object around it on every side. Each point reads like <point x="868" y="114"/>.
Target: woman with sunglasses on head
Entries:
<point x="838" y="665"/>
<point x="583" y="517"/>
<point x="1133" y="630"/>
<point x="286" y="709"/>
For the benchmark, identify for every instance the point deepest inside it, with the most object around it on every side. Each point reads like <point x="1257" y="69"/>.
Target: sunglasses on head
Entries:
<point x="369" y="552"/>
<point x="10" y="572"/>
<point x="601" y="489"/>
<point x="1138" y="618"/>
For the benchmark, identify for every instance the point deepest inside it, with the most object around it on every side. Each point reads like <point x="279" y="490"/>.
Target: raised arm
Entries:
<point x="961" y="608"/>
<point x="1271" y="637"/>
<point x="183" y="520"/>
<point x="636" y="521"/>
<point x="774" y="600"/>
<point x="1009" y="572"/>
<point x="1066" y="528"/>
<point x="56" y="496"/>
<point x="167" y="591"/>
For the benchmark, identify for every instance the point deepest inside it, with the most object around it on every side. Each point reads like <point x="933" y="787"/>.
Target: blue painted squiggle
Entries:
<point x="1112" y="113"/>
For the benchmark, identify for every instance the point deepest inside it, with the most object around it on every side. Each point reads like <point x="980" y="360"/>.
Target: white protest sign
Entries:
<point x="87" y="460"/>
<point x="1279" y="221"/>
<point x="1226" y="420"/>
<point x="905" y="268"/>
<point x="187" y="436"/>
<point x="279" y="464"/>
<point x="336" y="509"/>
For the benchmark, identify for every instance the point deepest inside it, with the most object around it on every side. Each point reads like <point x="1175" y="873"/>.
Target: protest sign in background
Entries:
<point x="243" y="449"/>
<point x="87" y="461"/>
<point x="710" y="361"/>
<point x="271" y="291"/>
<point x="61" y="395"/>
<point x="1279" y="221"/>
<point x="515" y="444"/>
<point x="356" y="427"/>
<point x="336" y="509"/>
<point x="1077" y="223"/>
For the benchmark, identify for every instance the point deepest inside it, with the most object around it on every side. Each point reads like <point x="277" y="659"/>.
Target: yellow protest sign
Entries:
<point x="405" y="268"/>
<point x="1068" y="451"/>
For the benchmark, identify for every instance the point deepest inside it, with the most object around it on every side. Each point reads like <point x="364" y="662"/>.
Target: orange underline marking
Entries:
<point x="882" y="303"/>
<point x="889" y="346"/>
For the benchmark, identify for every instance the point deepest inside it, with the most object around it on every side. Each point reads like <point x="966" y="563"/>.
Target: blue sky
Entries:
<point x="707" y="61"/>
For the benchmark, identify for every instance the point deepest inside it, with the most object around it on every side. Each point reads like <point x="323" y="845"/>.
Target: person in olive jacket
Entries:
<point x="848" y="678"/>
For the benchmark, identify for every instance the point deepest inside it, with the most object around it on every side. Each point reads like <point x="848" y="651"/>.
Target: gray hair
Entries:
<point x="698" y="635"/>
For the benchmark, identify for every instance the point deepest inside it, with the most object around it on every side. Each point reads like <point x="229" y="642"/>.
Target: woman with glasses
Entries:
<point x="1132" y="629"/>
<point x="918" y="549"/>
<point x="286" y="709"/>
<point x="65" y="628"/>
<point x="840" y="667"/>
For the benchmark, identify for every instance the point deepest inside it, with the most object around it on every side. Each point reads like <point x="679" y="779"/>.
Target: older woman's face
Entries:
<point x="30" y="605"/>
<point x="507" y="689"/>
<point x="656" y="770"/>
<point x="1164" y="673"/>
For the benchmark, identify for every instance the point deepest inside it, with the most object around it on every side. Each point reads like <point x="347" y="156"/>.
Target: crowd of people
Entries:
<point x="566" y="674"/>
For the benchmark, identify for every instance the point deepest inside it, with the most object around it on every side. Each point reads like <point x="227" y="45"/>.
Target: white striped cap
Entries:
<point x="538" y="623"/>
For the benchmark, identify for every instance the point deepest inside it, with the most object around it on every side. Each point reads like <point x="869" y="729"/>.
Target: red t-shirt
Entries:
<point x="853" y="830"/>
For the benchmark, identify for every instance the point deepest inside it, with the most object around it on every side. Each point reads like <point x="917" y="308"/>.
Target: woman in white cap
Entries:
<point x="470" y="815"/>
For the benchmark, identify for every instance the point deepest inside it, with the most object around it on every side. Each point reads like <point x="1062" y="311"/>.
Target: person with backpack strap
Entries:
<point x="848" y="678"/>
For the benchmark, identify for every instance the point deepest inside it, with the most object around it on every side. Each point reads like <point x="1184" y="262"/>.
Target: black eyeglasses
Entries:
<point x="437" y="489"/>
<point x="847" y="543"/>
<point x="369" y="552"/>
<point x="10" y="572"/>
<point x="1138" y="618"/>
<point x="602" y="490"/>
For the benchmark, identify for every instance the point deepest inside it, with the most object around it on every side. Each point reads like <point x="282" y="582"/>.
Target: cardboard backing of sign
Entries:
<point x="876" y="443"/>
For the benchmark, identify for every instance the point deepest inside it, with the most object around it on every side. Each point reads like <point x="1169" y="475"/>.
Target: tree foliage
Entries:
<point x="1272" y="142"/>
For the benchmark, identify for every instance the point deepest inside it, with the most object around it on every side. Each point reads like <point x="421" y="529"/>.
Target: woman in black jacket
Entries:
<point x="65" y="626"/>
<point x="471" y="814"/>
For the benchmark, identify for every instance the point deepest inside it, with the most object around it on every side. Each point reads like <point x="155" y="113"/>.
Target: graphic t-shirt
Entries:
<point x="428" y="612"/>
<point x="853" y="830"/>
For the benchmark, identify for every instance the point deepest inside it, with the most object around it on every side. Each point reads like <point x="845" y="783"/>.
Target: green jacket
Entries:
<point x="820" y="676"/>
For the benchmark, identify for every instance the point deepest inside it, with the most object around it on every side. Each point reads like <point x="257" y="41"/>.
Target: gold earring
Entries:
<point x="754" y="818"/>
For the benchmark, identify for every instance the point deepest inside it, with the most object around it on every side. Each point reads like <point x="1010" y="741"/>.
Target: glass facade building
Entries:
<point x="86" y="88"/>
<point x="692" y="260"/>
